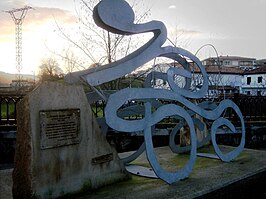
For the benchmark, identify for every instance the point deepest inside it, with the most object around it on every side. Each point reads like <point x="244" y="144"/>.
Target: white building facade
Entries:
<point x="227" y="75"/>
<point x="254" y="83"/>
<point x="244" y="75"/>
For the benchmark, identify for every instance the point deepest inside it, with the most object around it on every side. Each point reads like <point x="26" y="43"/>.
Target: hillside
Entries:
<point x="6" y="78"/>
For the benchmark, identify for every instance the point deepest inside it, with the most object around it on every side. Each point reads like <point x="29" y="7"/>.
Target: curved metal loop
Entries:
<point x="182" y="149"/>
<point x="112" y="21"/>
<point x="134" y="155"/>
<point x="118" y="17"/>
<point x="224" y="122"/>
<point x="169" y="177"/>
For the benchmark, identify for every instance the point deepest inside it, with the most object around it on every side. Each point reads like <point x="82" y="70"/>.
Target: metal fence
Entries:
<point x="8" y="106"/>
<point x="253" y="108"/>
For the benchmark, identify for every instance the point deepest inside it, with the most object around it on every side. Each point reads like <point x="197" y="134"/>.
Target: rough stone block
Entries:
<point x="60" y="149"/>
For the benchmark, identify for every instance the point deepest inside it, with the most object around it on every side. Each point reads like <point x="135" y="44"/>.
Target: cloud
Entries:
<point x="11" y="4"/>
<point x="189" y="32"/>
<point x="6" y="22"/>
<point x="182" y="32"/>
<point x="41" y="15"/>
<point x="34" y="19"/>
<point x="172" y="7"/>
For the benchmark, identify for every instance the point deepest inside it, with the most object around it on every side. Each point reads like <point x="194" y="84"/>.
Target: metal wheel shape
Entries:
<point x="169" y="177"/>
<point x="224" y="122"/>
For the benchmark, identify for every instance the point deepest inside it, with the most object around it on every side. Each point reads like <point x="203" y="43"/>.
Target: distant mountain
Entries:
<point x="6" y="78"/>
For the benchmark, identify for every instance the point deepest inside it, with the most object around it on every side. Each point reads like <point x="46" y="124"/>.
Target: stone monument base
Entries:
<point x="60" y="149"/>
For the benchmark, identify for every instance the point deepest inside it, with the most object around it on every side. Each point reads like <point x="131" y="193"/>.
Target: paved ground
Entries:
<point x="208" y="176"/>
<point x="6" y="183"/>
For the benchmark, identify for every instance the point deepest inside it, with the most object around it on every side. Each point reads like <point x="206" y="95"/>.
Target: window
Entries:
<point x="235" y="63"/>
<point x="248" y="92"/>
<point x="248" y="80"/>
<point x="226" y="62"/>
<point x="258" y="93"/>
<point x="260" y="79"/>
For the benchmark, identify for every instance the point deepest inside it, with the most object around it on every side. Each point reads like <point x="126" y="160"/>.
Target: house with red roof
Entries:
<point x="226" y="75"/>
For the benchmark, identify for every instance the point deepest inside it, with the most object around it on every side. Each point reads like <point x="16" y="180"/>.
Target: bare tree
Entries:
<point x="98" y="45"/>
<point x="109" y="46"/>
<point x="179" y="37"/>
<point x="71" y="61"/>
<point x="50" y="70"/>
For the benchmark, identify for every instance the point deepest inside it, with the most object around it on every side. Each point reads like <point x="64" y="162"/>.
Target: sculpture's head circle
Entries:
<point x="115" y="13"/>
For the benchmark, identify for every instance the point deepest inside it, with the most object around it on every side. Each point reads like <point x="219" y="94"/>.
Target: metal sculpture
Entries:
<point x="118" y="17"/>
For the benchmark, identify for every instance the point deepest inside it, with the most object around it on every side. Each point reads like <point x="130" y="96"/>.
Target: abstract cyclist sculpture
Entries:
<point x="118" y="17"/>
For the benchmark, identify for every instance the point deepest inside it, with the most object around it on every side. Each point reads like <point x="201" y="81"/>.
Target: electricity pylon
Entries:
<point x="18" y="20"/>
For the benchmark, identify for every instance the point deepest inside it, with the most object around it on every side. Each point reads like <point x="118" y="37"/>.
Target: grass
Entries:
<point x="98" y="112"/>
<point x="176" y="162"/>
<point x="173" y="163"/>
<point x="10" y="107"/>
<point x="144" y="185"/>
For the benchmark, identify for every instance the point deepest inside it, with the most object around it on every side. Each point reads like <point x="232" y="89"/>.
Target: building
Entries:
<point x="228" y="75"/>
<point x="22" y="86"/>
<point x="245" y="75"/>
<point x="22" y="83"/>
<point x="231" y="61"/>
<point x="254" y="81"/>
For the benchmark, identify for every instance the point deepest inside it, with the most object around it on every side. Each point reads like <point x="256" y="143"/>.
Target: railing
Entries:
<point x="253" y="108"/>
<point x="8" y="126"/>
<point x="8" y="106"/>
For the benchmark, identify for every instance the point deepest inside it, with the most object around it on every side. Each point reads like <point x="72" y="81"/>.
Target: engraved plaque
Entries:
<point x="102" y="159"/>
<point x="59" y="128"/>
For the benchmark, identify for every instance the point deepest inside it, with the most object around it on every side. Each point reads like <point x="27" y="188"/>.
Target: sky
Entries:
<point x="234" y="27"/>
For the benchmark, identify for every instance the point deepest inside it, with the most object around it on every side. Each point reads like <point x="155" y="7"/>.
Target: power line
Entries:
<point x="18" y="20"/>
